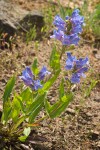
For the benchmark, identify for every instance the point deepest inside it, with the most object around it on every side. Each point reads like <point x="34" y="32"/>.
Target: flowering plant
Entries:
<point x="20" y="111"/>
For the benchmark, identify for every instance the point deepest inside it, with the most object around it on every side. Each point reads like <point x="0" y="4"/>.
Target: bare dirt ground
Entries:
<point x="79" y="127"/>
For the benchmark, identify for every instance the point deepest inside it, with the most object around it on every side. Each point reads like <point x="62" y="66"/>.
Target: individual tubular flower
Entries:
<point x="70" y="61"/>
<point x="81" y="62"/>
<point x="59" y="23"/>
<point x="78" y="67"/>
<point x="29" y="78"/>
<point x="58" y="34"/>
<point x="76" y="29"/>
<point x="76" y="19"/>
<point x="68" y="31"/>
<point x="37" y="85"/>
<point x="43" y="73"/>
<point x="72" y="39"/>
<point x="76" y="76"/>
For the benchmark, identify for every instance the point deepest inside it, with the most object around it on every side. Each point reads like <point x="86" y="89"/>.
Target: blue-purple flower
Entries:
<point x="37" y="84"/>
<point x="78" y="67"/>
<point x="70" y="61"/>
<point x="59" y="23"/>
<point x="27" y="77"/>
<point x="58" y="34"/>
<point x="68" y="31"/>
<point x="43" y="73"/>
<point x="72" y="39"/>
<point x="30" y="80"/>
<point x="76" y="19"/>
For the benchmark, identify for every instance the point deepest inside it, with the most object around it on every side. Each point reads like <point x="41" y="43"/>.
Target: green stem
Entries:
<point x="41" y="119"/>
<point x="63" y="51"/>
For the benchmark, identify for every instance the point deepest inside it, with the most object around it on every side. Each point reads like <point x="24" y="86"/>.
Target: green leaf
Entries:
<point x="27" y="131"/>
<point x="55" y="59"/>
<point x="35" y="67"/>
<point x="6" y="111"/>
<point x="61" y="89"/>
<point x="49" y="83"/>
<point x="17" y="106"/>
<point x="22" y="138"/>
<point x="62" y="11"/>
<point x="26" y="95"/>
<point x="35" y="103"/>
<point x="59" y="107"/>
<point x="36" y="107"/>
<point x="8" y="89"/>
<point x="22" y="107"/>
<point x="35" y="112"/>
<point x="20" y="120"/>
<point x="14" y="115"/>
<point x="16" y="103"/>
<point x="89" y="89"/>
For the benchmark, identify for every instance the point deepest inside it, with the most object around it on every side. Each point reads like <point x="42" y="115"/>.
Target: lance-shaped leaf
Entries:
<point x="35" y="67"/>
<point x="55" y="59"/>
<point x="62" y="10"/>
<point x="20" y="120"/>
<point x="36" y="106"/>
<point x="26" y="94"/>
<point x="6" y="111"/>
<point x="22" y="138"/>
<point x="61" y="89"/>
<point x="22" y="106"/>
<point x="59" y="107"/>
<point x="8" y="89"/>
<point x="17" y="108"/>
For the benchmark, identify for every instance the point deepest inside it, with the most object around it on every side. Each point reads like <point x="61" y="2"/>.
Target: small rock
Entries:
<point x="73" y="88"/>
<point x="89" y="114"/>
<point x="70" y="111"/>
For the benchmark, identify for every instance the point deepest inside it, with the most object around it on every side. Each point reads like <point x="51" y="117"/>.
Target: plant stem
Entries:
<point x="41" y="119"/>
<point x="62" y="51"/>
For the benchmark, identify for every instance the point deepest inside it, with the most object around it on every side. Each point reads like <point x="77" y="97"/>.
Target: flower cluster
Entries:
<point x="68" y="31"/>
<point x="29" y="78"/>
<point x="78" y="66"/>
